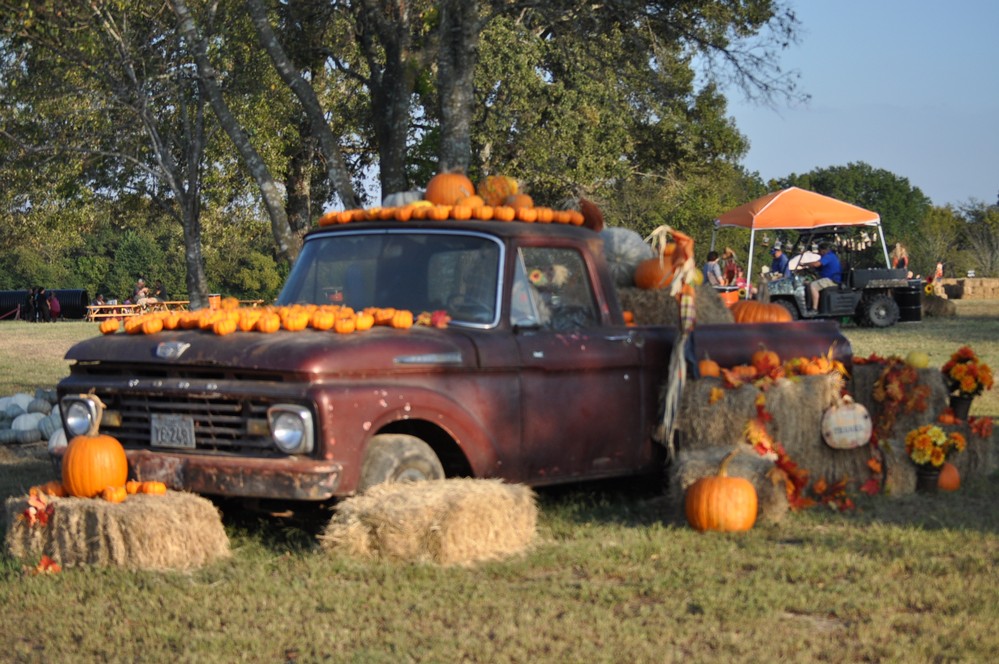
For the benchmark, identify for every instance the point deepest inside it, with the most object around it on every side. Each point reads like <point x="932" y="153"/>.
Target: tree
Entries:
<point x="937" y="239"/>
<point x="981" y="237"/>
<point x="902" y="206"/>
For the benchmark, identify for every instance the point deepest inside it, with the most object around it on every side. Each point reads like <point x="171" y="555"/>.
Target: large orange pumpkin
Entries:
<point x="448" y="188"/>
<point x="722" y="503"/>
<point x="752" y="311"/>
<point x="950" y="479"/>
<point x="656" y="272"/>
<point x="93" y="461"/>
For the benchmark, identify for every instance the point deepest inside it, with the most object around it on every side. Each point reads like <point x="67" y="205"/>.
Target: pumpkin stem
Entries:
<point x="99" y="408"/>
<point x="723" y="466"/>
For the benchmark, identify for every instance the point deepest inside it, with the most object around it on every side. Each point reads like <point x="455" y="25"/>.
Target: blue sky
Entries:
<point x="909" y="86"/>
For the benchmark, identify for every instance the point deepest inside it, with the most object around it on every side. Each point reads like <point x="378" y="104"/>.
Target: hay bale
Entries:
<point x="174" y="531"/>
<point x="658" y="307"/>
<point x="691" y="466"/>
<point x="939" y="307"/>
<point x="796" y="405"/>
<point x="448" y="522"/>
<point x="861" y="386"/>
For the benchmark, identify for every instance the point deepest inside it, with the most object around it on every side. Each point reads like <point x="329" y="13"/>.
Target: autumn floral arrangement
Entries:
<point x="966" y="374"/>
<point x="928" y="445"/>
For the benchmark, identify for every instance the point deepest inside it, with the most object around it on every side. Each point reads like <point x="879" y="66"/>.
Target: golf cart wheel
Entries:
<point x="879" y="311"/>
<point x="791" y="308"/>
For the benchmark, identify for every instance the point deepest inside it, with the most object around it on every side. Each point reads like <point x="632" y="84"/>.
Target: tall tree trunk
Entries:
<point x="286" y="242"/>
<point x="459" y="41"/>
<point x="336" y="167"/>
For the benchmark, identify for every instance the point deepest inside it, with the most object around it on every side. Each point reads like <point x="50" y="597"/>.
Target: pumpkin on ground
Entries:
<point x="950" y="478"/>
<point x="722" y="503"/>
<point x="93" y="461"/>
<point x="752" y="311"/>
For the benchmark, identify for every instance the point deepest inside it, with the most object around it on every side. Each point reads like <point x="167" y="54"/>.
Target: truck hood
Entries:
<point x="308" y="351"/>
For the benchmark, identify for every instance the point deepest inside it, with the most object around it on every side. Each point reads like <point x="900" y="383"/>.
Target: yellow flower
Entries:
<point x="937" y="456"/>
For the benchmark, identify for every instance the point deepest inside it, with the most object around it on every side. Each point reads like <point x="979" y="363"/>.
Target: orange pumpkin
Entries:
<point x="152" y="488"/>
<point x="527" y="214"/>
<point x="654" y="273"/>
<point x="518" y="201"/>
<point x="402" y="319"/>
<point x="404" y="213"/>
<point x="268" y="323"/>
<point x="363" y="321"/>
<point x="545" y="215"/>
<point x="133" y="487"/>
<point x="345" y="325"/>
<point x="471" y="202"/>
<point x="765" y="361"/>
<point x="722" y="503"/>
<point x="224" y="326"/>
<point x="448" y="188"/>
<point x="152" y="325"/>
<point x="322" y="319"/>
<point x="114" y="494"/>
<point x="504" y="213"/>
<point x="950" y="478"/>
<point x="53" y="488"/>
<point x="483" y="213"/>
<point x="110" y="325"/>
<point x="752" y="311"/>
<point x="93" y="461"/>
<point x="708" y="368"/>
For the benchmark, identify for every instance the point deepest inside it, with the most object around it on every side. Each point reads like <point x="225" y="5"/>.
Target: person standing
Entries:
<point x="900" y="257"/>
<point x="730" y="267"/>
<point x="55" y="307"/>
<point x="712" y="271"/>
<point x="29" y="306"/>
<point x="42" y="305"/>
<point x="830" y="273"/>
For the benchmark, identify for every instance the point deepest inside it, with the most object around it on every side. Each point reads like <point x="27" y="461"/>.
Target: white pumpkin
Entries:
<point x="624" y="249"/>
<point x="22" y="399"/>
<point x="847" y="425"/>
<point x="57" y="441"/>
<point x="26" y="422"/>
<point x="400" y="198"/>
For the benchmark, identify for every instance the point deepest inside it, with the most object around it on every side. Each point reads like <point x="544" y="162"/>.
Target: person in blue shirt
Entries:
<point x="779" y="266"/>
<point x="830" y="273"/>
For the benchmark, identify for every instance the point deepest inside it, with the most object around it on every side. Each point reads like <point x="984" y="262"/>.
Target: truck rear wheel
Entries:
<point x="879" y="311"/>
<point x="396" y="457"/>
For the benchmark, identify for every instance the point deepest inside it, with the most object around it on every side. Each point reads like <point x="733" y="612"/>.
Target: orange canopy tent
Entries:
<point x="797" y="209"/>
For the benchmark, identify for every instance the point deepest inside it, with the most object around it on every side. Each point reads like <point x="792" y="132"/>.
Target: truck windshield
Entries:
<point x="414" y="270"/>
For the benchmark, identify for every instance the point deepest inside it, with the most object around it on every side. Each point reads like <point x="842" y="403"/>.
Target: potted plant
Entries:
<point x="928" y="447"/>
<point x="967" y="376"/>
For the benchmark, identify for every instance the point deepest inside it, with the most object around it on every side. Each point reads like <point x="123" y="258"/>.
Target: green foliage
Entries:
<point x="902" y="206"/>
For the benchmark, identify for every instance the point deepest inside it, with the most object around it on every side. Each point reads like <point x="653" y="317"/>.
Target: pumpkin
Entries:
<point x="110" y="325"/>
<point x="708" y="368"/>
<point x="504" y="213"/>
<point x="171" y="321"/>
<point x="472" y="202"/>
<point x="494" y="189"/>
<point x="461" y="212"/>
<point x="363" y="321"/>
<point x="439" y="212"/>
<point x="93" y="461"/>
<point x="846" y="425"/>
<point x="152" y="488"/>
<point x="483" y="212"/>
<point x="133" y="487"/>
<point x="404" y="213"/>
<point x="323" y="319"/>
<point x="268" y="323"/>
<point x="518" y="201"/>
<point x="545" y="215"/>
<point x="383" y="316"/>
<point x="526" y="214"/>
<point x="114" y="494"/>
<point x="753" y="311"/>
<point x="448" y="188"/>
<point x="224" y="326"/>
<point x="765" y="361"/>
<point x="345" y="325"/>
<point x="624" y="249"/>
<point x="950" y="478"/>
<point x="247" y="319"/>
<point x="722" y="503"/>
<point x="653" y="273"/>
<point x="917" y="359"/>
<point x="402" y="198"/>
<point x="295" y="321"/>
<point x="402" y="319"/>
<point x="53" y="488"/>
<point x="152" y="325"/>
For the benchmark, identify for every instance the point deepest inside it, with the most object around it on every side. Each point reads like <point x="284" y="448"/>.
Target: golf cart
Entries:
<point x="871" y="293"/>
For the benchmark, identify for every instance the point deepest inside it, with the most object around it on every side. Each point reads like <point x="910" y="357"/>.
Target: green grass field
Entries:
<point x="614" y="576"/>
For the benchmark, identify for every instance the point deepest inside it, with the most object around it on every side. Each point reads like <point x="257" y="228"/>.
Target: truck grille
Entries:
<point x="221" y="424"/>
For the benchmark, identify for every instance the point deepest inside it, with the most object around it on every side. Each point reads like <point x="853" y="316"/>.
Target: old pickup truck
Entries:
<point x="536" y="378"/>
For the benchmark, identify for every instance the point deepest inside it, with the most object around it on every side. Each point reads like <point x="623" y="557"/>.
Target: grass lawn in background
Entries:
<point x="612" y="578"/>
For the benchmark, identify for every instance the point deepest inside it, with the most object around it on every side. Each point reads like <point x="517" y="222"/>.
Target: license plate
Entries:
<point x="175" y="431"/>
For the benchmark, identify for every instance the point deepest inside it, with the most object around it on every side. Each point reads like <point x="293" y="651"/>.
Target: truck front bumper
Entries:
<point x="281" y="479"/>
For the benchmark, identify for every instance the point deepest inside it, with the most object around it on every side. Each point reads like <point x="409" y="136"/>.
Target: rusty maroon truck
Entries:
<point x="536" y="378"/>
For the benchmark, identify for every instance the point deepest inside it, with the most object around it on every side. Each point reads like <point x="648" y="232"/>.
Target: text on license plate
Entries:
<point x="171" y="431"/>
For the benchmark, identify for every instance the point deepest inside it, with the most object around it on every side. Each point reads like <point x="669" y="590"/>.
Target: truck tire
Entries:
<point x="879" y="311"/>
<point x="791" y="308"/>
<point x="396" y="457"/>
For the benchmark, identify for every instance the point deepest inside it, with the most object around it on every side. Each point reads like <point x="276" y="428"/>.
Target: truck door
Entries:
<point x="580" y="380"/>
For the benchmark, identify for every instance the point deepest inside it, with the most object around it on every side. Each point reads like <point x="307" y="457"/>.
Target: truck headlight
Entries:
<point x="291" y="428"/>
<point x="79" y="416"/>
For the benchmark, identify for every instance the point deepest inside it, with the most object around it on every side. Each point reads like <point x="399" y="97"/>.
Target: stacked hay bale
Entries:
<point x="173" y="531"/>
<point x="658" y="307"/>
<point x="448" y="522"/>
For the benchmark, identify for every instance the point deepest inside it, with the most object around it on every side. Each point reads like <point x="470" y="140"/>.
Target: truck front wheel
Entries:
<point x="396" y="457"/>
<point x="879" y="311"/>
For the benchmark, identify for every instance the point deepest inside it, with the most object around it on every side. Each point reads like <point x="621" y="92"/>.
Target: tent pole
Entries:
<point x="884" y="246"/>
<point x="749" y="265"/>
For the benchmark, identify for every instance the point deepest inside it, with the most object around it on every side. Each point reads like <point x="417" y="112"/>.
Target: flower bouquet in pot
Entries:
<point x="928" y="447"/>
<point x="966" y="377"/>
